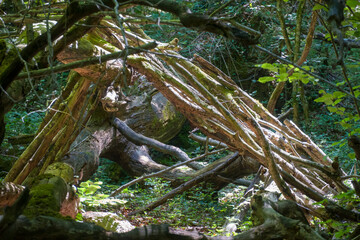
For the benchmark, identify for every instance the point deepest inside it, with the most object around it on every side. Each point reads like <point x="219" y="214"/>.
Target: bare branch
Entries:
<point x="117" y="191"/>
<point x="186" y="186"/>
<point x="139" y="139"/>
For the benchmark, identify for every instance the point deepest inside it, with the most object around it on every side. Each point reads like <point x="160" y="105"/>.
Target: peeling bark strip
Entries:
<point x="9" y="192"/>
<point x="13" y="212"/>
<point x="57" y="131"/>
<point x="87" y="62"/>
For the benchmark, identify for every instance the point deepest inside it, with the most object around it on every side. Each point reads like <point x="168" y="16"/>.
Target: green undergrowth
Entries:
<point x="339" y="229"/>
<point x="331" y="138"/>
<point x="197" y="208"/>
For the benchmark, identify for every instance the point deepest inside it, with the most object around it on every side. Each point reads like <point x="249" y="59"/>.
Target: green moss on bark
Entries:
<point x="45" y="196"/>
<point x="6" y="55"/>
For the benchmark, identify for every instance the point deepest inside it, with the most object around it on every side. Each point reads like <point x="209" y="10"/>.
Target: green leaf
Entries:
<point x="84" y="184"/>
<point x="332" y="109"/>
<point x="283" y="69"/>
<point x="341" y="109"/>
<point x="101" y="195"/>
<point x="318" y="7"/>
<point x="340" y="143"/>
<point x="356" y="131"/>
<point x="352" y="3"/>
<point x="339" y="94"/>
<point x="340" y="83"/>
<point x="79" y="217"/>
<point x="305" y="80"/>
<point x="337" y="101"/>
<point x="283" y="77"/>
<point x="352" y="66"/>
<point x="326" y="98"/>
<point x="345" y="125"/>
<point x="356" y="93"/>
<point x="270" y="67"/>
<point x="81" y="190"/>
<point x="351" y="155"/>
<point x="321" y="202"/>
<point x="92" y="189"/>
<point x="266" y="79"/>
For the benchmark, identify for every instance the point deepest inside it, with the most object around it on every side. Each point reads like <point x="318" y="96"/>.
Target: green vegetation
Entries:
<point x="198" y="207"/>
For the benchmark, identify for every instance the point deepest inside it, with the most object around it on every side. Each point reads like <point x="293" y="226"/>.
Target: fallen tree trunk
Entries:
<point x="235" y="169"/>
<point x="278" y="220"/>
<point x="273" y="219"/>
<point x="51" y="193"/>
<point x="153" y="116"/>
<point x="211" y="101"/>
<point x="44" y="228"/>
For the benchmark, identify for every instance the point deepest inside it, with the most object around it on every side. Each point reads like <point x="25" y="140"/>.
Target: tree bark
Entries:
<point x="273" y="219"/>
<point x="9" y="192"/>
<point x="100" y="140"/>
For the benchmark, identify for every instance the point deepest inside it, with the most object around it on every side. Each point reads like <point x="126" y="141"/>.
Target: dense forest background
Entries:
<point x="223" y="119"/>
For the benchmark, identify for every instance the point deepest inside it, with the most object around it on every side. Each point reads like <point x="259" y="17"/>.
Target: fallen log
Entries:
<point x="273" y="219"/>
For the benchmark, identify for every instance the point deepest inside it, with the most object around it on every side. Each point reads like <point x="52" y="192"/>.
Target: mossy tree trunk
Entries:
<point x="296" y="51"/>
<point x="61" y="125"/>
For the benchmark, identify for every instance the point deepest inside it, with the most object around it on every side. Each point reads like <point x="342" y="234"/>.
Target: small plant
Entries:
<point x="90" y="200"/>
<point x="280" y="73"/>
<point x="341" y="230"/>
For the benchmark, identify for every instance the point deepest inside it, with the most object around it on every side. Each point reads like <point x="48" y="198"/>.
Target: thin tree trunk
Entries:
<point x="308" y="42"/>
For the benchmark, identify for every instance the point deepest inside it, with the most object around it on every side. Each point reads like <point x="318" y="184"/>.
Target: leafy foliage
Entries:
<point x="280" y="73"/>
<point x="92" y="199"/>
<point x="198" y="207"/>
<point x="341" y="229"/>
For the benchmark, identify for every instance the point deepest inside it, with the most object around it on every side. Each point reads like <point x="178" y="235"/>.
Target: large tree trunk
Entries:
<point x="210" y="101"/>
<point x="146" y="112"/>
<point x="100" y="139"/>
